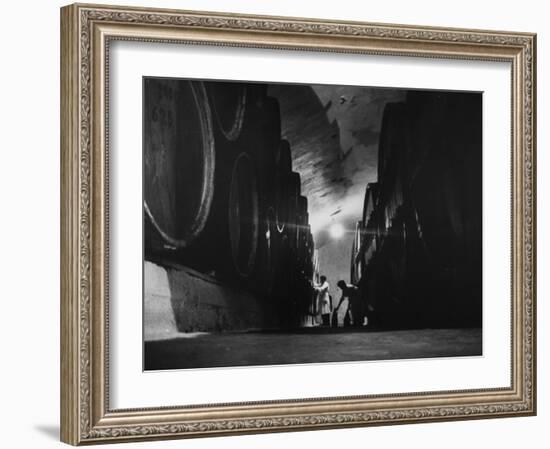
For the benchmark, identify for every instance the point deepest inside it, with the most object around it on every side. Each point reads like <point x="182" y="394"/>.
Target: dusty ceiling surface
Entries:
<point x="333" y="133"/>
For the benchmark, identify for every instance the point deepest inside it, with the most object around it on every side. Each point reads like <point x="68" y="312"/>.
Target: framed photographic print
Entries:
<point x="275" y="224"/>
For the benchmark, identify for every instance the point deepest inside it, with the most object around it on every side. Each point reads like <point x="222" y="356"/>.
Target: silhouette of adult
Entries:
<point x="355" y="312"/>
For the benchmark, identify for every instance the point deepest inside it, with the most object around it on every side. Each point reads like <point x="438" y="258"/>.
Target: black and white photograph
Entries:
<point x="293" y="223"/>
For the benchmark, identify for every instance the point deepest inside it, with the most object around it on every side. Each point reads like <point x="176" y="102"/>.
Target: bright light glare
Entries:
<point x="336" y="231"/>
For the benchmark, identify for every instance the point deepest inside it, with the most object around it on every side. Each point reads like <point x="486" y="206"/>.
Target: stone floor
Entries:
<point x="310" y="345"/>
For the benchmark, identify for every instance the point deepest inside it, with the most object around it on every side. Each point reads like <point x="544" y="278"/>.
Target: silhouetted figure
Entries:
<point x="354" y="313"/>
<point x="323" y="299"/>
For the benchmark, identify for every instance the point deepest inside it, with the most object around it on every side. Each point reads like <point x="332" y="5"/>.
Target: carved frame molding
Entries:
<point x="87" y="31"/>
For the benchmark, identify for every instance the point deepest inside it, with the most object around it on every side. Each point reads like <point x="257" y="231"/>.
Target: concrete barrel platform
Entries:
<point x="179" y="300"/>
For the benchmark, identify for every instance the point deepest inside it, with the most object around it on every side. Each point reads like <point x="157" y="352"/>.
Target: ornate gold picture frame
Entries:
<point x="87" y="31"/>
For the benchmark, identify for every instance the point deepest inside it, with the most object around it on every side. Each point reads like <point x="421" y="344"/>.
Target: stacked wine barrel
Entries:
<point x="220" y="195"/>
<point x="417" y="252"/>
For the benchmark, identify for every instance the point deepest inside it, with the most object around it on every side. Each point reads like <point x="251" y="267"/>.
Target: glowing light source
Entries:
<point x="336" y="231"/>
